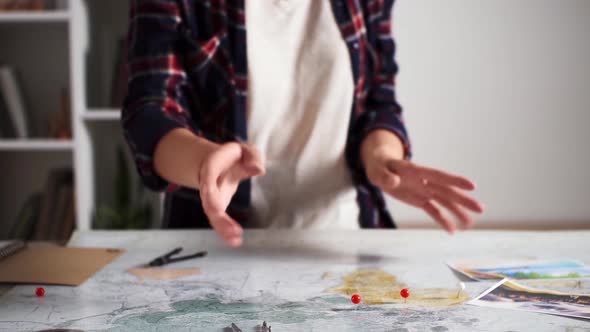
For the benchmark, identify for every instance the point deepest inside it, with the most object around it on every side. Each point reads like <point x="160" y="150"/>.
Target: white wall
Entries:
<point x="499" y="90"/>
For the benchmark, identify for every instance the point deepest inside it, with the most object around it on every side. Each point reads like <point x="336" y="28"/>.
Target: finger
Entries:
<point x="435" y="175"/>
<point x="219" y="162"/>
<point x="413" y="199"/>
<point x="215" y="211"/>
<point x="227" y="228"/>
<point x="435" y="213"/>
<point x="425" y="204"/>
<point x="453" y="195"/>
<point x="252" y="160"/>
<point x="462" y="216"/>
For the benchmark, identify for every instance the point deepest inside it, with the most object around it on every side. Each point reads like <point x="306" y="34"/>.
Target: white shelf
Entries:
<point x="102" y="114"/>
<point x="32" y="17"/>
<point x="36" y="145"/>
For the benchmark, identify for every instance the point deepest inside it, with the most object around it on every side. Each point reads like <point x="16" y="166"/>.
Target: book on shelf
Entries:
<point x="61" y="215"/>
<point x="60" y="4"/>
<point x="32" y="5"/>
<point x="59" y="123"/>
<point x="6" y="127"/>
<point x="12" y="98"/>
<point x="56" y="215"/>
<point x="68" y="223"/>
<point x="28" y="216"/>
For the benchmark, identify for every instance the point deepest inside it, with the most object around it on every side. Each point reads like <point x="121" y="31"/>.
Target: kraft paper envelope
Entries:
<point x="55" y="265"/>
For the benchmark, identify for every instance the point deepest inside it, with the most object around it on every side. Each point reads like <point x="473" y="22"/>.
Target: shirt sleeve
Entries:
<point x="156" y="99"/>
<point x="382" y="110"/>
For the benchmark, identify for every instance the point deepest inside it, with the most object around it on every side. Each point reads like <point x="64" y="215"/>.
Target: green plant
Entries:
<point x="130" y="211"/>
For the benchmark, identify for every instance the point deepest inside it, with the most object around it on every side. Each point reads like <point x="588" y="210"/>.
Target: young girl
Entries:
<point x="275" y="113"/>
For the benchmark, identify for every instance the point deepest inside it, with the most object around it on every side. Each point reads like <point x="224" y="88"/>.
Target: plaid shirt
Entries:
<point x="188" y="68"/>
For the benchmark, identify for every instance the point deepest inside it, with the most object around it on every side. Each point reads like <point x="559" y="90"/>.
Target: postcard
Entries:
<point x="522" y="270"/>
<point x="508" y="294"/>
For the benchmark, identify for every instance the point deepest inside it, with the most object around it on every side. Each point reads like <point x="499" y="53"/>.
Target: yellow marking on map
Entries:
<point x="379" y="287"/>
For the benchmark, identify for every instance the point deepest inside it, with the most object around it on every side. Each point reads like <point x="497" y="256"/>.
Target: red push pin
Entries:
<point x="40" y="291"/>
<point x="356" y="299"/>
<point x="405" y="293"/>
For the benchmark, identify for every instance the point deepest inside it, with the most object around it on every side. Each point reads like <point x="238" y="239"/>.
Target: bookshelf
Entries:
<point x="107" y="24"/>
<point x="59" y="16"/>
<point x="79" y="44"/>
<point x="38" y="53"/>
<point x="102" y="114"/>
<point x="36" y="145"/>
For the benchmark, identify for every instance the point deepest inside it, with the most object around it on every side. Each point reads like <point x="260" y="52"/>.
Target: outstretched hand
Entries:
<point x="219" y="176"/>
<point x="429" y="189"/>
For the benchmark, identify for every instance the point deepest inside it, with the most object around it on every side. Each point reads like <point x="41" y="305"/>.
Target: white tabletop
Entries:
<point x="279" y="276"/>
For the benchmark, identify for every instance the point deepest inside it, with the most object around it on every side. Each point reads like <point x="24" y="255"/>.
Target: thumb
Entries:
<point x="385" y="177"/>
<point x="252" y="161"/>
<point x="218" y="163"/>
<point x="391" y="180"/>
<point x="394" y="177"/>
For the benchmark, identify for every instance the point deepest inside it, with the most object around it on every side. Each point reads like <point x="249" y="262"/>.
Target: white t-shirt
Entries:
<point x="299" y="103"/>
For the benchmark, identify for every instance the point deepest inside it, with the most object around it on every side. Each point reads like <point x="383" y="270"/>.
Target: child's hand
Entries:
<point x="219" y="176"/>
<point x="425" y="188"/>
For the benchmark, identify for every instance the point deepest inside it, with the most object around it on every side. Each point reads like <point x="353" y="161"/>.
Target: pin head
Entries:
<point x="356" y="299"/>
<point x="405" y="293"/>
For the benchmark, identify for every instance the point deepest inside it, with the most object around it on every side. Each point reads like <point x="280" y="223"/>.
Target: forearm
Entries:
<point x="179" y="155"/>
<point x="383" y="126"/>
<point x="379" y="143"/>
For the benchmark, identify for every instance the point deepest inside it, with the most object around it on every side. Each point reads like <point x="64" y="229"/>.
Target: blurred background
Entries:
<point x="500" y="91"/>
<point x="496" y="90"/>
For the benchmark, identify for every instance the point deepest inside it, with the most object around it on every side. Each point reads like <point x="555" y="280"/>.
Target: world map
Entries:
<point x="291" y="287"/>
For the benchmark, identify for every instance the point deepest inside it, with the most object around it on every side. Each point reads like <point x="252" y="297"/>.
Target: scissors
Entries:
<point x="167" y="258"/>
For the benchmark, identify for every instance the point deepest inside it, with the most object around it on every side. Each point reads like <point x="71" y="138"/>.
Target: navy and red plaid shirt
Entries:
<point x="188" y="69"/>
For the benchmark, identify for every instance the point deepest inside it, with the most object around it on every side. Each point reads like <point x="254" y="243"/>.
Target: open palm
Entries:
<point x="219" y="177"/>
<point x="426" y="188"/>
